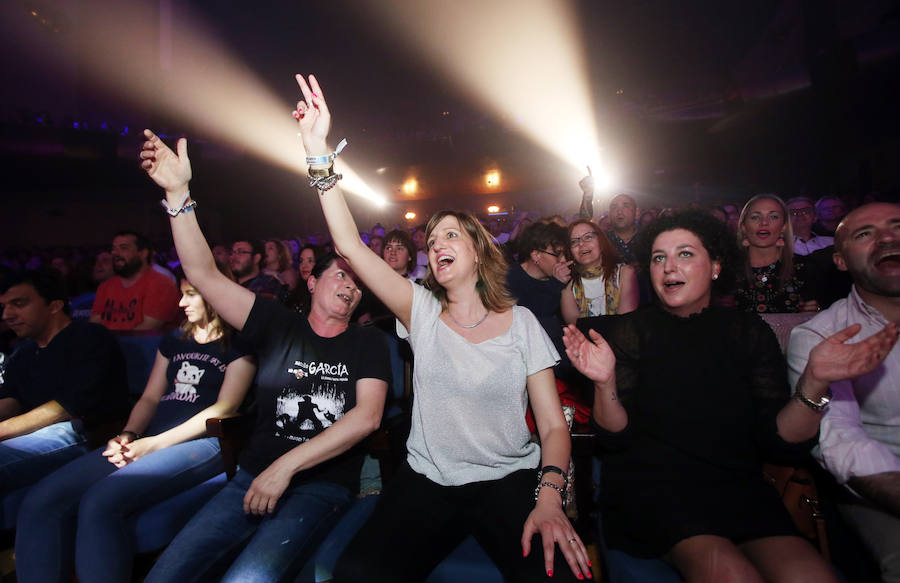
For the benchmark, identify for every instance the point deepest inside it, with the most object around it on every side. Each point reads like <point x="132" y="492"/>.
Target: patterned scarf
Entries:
<point x="611" y="288"/>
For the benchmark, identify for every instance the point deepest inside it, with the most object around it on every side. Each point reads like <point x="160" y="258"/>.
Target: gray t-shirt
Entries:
<point x="468" y="416"/>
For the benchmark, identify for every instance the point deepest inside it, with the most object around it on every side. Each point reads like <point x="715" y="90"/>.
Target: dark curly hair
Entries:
<point x="713" y="234"/>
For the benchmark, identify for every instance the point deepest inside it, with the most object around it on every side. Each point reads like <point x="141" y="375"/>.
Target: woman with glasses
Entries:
<point x="601" y="285"/>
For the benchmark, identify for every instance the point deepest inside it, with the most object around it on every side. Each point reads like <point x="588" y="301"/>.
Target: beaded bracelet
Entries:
<point x="323" y="183"/>
<point x="185" y="207"/>
<point x="560" y="490"/>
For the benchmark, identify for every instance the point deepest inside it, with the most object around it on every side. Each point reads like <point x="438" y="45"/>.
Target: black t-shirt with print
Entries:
<point x="193" y="378"/>
<point x="304" y="384"/>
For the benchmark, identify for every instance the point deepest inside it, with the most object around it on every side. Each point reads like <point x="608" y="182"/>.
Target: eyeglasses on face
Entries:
<point x="553" y="253"/>
<point x="586" y="238"/>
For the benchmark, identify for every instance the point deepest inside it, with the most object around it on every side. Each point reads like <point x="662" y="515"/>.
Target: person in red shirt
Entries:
<point x="137" y="297"/>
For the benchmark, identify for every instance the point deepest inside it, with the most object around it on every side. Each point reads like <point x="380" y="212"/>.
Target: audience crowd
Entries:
<point x="649" y="319"/>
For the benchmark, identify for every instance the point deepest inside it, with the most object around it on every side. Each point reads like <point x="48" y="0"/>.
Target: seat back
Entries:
<point x="139" y="350"/>
<point x="782" y="324"/>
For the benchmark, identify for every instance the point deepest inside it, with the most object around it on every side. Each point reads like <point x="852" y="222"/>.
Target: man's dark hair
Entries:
<point x="323" y="262"/>
<point x="539" y="236"/>
<point x="140" y="241"/>
<point x="404" y="239"/>
<point x="47" y="282"/>
<point x="713" y="234"/>
<point x="256" y="245"/>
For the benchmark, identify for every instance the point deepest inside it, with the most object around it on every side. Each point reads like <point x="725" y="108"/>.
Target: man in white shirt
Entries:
<point x="803" y="215"/>
<point x="860" y="432"/>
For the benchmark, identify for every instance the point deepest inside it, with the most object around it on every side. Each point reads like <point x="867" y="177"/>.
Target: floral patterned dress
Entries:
<point x="764" y="293"/>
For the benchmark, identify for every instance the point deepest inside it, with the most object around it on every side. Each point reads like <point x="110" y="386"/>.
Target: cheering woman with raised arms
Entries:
<point x="470" y="467"/>
<point x="321" y="389"/>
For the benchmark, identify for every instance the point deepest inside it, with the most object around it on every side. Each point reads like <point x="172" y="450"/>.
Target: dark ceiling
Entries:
<point x="716" y="99"/>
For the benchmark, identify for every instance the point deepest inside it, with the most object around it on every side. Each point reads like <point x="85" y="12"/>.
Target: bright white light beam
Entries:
<point x="199" y="81"/>
<point x="521" y="58"/>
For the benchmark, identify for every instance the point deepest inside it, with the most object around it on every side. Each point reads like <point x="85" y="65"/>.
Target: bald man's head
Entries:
<point x="867" y="244"/>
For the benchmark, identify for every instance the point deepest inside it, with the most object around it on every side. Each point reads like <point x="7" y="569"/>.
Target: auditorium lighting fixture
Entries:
<point x="492" y="179"/>
<point x="199" y="82"/>
<point x="409" y="216"/>
<point x="531" y="70"/>
<point x="410" y="187"/>
<point x="493" y="209"/>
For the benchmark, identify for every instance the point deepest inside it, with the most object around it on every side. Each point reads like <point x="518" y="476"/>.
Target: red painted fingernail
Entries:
<point x="296" y="115"/>
<point x="589" y="563"/>
<point x="580" y="577"/>
<point x="524" y="554"/>
<point x="549" y="572"/>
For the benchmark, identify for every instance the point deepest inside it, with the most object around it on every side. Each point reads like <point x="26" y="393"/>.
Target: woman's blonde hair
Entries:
<point x="492" y="267"/>
<point x="785" y="253"/>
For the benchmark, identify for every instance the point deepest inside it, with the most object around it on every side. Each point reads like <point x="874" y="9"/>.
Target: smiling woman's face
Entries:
<point x="764" y="223"/>
<point x="584" y="245"/>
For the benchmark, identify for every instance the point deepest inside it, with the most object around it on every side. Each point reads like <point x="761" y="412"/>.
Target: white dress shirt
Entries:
<point x="860" y="430"/>
<point x="814" y="243"/>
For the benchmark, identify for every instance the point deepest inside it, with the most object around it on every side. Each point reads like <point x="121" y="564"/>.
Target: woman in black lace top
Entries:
<point x="689" y="400"/>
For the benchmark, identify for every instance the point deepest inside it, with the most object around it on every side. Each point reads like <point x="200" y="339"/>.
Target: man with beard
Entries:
<point x="246" y="258"/>
<point x="137" y="297"/>
<point x="860" y="431"/>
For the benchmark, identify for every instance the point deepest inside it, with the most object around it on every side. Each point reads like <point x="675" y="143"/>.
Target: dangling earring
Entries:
<point x="744" y="241"/>
<point x="780" y="241"/>
<point x="715" y="276"/>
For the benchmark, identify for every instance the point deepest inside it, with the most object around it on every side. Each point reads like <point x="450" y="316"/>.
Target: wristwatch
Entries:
<point x="817" y="406"/>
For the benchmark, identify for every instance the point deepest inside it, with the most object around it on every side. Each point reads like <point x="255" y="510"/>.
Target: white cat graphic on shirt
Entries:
<point x="186" y="379"/>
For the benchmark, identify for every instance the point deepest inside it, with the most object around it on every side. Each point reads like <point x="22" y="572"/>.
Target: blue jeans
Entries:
<point x="79" y="515"/>
<point x="26" y="459"/>
<point x="274" y="546"/>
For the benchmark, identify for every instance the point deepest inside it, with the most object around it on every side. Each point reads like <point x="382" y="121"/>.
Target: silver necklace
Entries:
<point x="470" y="325"/>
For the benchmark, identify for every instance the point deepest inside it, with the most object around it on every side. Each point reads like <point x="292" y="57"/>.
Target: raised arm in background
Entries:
<point x="172" y="172"/>
<point x="391" y="288"/>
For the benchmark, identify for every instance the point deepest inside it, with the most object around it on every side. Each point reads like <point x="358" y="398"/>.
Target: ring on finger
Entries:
<point x="572" y="540"/>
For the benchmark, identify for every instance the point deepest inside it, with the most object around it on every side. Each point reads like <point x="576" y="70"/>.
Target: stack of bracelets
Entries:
<point x="543" y="484"/>
<point x="323" y="179"/>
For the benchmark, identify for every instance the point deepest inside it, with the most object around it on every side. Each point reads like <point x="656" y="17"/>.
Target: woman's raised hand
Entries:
<point x="593" y="358"/>
<point x="313" y="117"/>
<point x="169" y="170"/>
<point x="834" y="360"/>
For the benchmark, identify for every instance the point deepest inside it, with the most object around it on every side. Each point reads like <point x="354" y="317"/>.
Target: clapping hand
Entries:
<point x="834" y="360"/>
<point x="593" y="358"/>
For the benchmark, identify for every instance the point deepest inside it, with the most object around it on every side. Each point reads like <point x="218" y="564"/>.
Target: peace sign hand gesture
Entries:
<point x="313" y="117"/>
